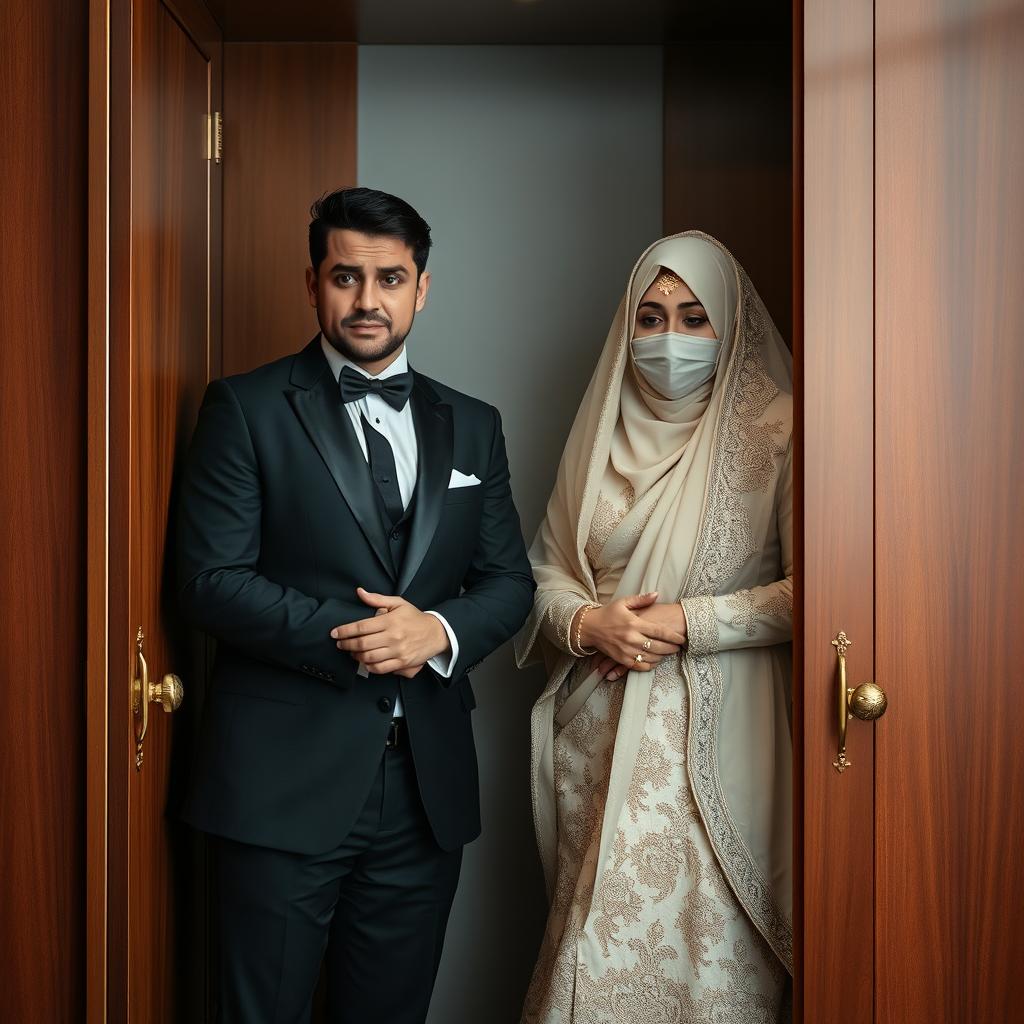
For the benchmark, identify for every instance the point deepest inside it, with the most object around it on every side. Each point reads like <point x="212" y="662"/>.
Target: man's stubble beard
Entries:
<point x="391" y="345"/>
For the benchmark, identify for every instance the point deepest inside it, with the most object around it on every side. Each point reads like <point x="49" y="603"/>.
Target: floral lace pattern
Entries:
<point x="608" y="513"/>
<point x="664" y="939"/>
<point x="682" y="927"/>
<point x="702" y="636"/>
<point x="748" y="609"/>
<point x="723" y="544"/>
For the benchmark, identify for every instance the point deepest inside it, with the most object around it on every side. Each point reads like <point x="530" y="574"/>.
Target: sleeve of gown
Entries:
<point x="756" y="617"/>
<point x="557" y="620"/>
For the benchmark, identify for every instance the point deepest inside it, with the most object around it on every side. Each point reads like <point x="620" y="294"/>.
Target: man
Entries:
<point x="347" y="533"/>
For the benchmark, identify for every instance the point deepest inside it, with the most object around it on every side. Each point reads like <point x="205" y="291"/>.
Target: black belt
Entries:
<point x="396" y="734"/>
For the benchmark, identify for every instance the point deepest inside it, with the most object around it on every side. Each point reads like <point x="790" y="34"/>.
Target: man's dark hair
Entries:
<point x="372" y="213"/>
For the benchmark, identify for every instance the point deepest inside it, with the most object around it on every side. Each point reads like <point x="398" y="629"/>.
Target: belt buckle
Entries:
<point x="394" y="732"/>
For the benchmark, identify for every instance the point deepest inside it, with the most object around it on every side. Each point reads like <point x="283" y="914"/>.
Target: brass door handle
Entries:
<point x="167" y="693"/>
<point x="866" y="702"/>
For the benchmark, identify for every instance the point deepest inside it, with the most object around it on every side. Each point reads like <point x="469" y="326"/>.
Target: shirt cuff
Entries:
<point x="443" y="663"/>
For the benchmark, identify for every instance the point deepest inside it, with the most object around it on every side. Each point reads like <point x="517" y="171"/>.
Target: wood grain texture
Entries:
<point x="174" y="287"/>
<point x="96" y="742"/>
<point x="835" y="930"/>
<point x="950" y="546"/>
<point x="728" y="154"/>
<point x="290" y="136"/>
<point x="161" y="233"/>
<point x="109" y="521"/>
<point x="43" y="154"/>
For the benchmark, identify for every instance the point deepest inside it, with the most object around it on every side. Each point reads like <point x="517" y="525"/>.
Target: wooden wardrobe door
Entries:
<point x="164" y="345"/>
<point x="834" y="541"/>
<point x="949" y="503"/>
<point x="913" y="496"/>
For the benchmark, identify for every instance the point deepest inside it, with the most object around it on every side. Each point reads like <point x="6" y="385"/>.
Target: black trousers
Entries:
<point x="377" y="906"/>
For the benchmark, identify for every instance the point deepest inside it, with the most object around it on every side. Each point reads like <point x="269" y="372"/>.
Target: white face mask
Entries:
<point x="675" y="365"/>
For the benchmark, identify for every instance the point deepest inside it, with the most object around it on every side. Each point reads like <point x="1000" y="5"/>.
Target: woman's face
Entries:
<point x="669" y="305"/>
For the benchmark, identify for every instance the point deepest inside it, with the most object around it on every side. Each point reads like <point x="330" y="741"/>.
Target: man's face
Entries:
<point x="366" y="294"/>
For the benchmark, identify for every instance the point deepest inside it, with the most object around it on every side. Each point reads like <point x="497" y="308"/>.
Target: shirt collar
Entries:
<point x="337" y="361"/>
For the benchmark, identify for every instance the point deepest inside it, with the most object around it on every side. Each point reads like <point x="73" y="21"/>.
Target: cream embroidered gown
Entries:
<point x="664" y="940"/>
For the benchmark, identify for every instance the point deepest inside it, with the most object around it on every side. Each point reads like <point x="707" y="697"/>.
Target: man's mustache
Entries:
<point x="365" y="318"/>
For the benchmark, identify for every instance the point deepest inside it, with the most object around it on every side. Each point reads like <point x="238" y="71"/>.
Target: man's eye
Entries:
<point x="391" y="279"/>
<point x="344" y="279"/>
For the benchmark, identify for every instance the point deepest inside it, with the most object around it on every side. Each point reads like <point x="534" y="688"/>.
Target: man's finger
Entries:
<point x="384" y="667"/>
<point x="359" y="644"/>
<point x="376" y="656"/>
<point x="364" y="627"/>
<point x="385" y="601"/>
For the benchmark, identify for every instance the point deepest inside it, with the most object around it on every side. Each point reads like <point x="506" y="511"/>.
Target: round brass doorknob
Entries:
<point x="867" y="702"/>
<point x="167" y="693"/>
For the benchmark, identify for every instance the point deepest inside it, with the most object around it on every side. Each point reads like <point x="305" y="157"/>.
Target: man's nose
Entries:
<point x="368" y="301"/>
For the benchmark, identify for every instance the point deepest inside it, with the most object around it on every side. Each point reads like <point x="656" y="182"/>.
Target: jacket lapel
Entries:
<point x="319" y="409"/>
<point x="432" y="420"/>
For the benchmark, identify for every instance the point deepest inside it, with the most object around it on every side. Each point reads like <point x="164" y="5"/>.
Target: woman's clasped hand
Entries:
<point x="632" y="633"/>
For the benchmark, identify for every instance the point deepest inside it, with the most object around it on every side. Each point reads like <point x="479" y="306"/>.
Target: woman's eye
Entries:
<point x="649" y="321"/>
<point x="696" y="321"/>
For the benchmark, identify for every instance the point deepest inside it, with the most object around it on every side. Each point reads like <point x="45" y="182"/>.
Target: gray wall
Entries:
<point x="539" y="171"/>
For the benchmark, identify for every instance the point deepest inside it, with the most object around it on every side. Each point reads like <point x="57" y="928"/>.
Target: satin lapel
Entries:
<point x="432" y="420"/>
<point x="324" y="418"/>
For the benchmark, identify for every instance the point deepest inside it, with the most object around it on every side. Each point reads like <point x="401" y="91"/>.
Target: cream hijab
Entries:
<point x="651" y="433"/>
<point x="687" y="458"/>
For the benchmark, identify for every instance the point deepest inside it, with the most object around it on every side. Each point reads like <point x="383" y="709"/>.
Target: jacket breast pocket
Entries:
<point x="471" y="494"/>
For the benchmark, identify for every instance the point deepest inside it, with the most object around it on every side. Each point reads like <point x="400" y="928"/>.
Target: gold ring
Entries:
<point x="639" y="659"/>
<point x="647" y="644"/>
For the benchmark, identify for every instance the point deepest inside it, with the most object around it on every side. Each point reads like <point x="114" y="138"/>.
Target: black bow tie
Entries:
<point x="395" y="390"/>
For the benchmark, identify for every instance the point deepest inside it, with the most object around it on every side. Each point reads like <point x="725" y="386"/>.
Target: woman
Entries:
<point x="661" y="743"/>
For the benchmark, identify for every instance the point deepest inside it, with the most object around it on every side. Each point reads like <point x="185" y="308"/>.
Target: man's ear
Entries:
<point x="311" y="286"/>
<point x="422" y="287"/>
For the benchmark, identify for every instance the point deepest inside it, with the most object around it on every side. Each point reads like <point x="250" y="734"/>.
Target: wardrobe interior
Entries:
<point x="547" y="144"/>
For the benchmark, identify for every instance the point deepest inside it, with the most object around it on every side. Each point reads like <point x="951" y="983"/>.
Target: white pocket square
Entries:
<point x="463" y="480"/>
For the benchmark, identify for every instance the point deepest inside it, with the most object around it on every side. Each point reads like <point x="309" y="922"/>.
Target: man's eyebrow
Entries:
<point x="358" y="268"/>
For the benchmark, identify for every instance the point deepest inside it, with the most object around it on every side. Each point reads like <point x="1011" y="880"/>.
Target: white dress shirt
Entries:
<point x="397" y="426"/>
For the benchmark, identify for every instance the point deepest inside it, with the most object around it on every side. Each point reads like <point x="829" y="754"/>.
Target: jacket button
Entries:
<point x="384" y="703"/>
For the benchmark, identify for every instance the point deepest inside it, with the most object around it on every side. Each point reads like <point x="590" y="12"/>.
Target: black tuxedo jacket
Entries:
<point x="278" y="524"/>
